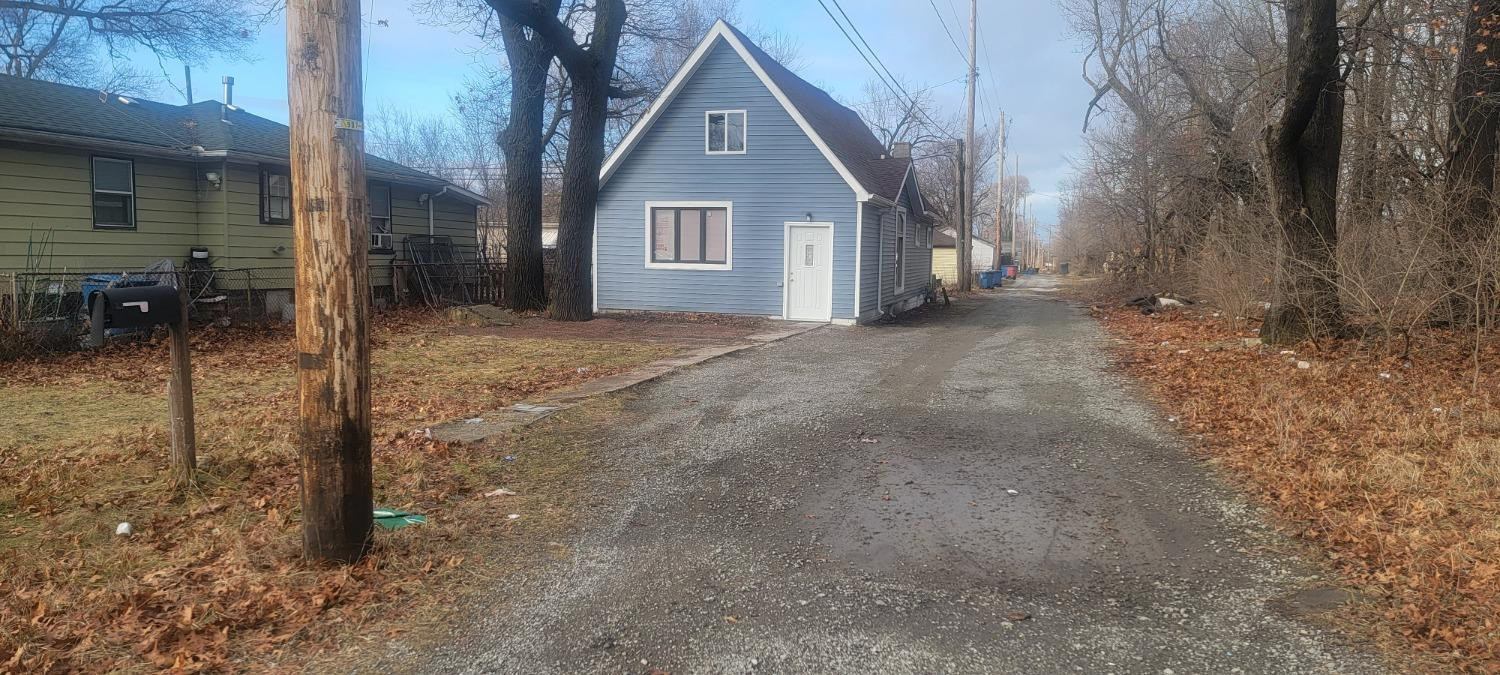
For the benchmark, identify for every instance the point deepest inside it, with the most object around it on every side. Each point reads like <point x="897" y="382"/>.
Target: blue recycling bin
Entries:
<point x="989" y="278"/>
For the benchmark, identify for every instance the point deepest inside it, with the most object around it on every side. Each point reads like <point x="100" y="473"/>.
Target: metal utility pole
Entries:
<point x="1000" y="199"/>
<point x="331" y="234"/>
<point x="966" y="229"/>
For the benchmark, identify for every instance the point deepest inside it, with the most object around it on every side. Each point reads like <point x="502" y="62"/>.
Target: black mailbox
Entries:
<point x="132" y="307"/>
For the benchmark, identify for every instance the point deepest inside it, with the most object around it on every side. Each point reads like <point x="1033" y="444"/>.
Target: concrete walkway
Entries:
<point x="968" y="491"/>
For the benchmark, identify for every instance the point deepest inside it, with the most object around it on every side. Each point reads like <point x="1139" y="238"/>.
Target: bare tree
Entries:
<point x="1304" y="152"/>
<point x="61" y="39"/>
<point x="1473" y="143"/>
<point x="530" y="58"/>
<point x="591" y="71"/>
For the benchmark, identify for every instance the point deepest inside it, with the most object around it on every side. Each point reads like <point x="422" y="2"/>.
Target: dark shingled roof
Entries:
<point x="85" y="114"/>
<point x="840" y="128"/>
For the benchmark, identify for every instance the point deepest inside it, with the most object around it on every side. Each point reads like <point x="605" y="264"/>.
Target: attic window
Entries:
<point x="724" y="132"/>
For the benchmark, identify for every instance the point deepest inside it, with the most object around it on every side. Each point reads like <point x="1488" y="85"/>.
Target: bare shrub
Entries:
<point x="1232" y="268"/>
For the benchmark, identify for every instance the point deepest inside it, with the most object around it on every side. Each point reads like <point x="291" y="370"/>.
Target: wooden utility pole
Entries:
<point x="966" y="229"/>
<point x="331" y="232"/>
<point x="1015" y="212"/>
<point x="180" y="394"/>
<point x="1000" y="199"/>
<point x="961" y="176"/>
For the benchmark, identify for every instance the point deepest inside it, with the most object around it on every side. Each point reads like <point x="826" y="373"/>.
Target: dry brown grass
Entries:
<point x="1392" y="469"/>
<point x="213" y="577"/>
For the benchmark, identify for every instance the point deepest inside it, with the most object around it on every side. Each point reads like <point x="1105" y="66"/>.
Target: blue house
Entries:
<point x="746" y="190"/>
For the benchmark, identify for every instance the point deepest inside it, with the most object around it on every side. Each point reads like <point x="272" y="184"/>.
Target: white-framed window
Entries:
<point x="901" y="236"/>
<point x="690" y="235"/>
<point x="724" y="132"/>
<point x="381" y="238"/>
<point x="114" y="194"/>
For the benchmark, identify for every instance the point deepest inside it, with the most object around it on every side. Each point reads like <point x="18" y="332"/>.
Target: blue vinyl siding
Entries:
<point x="781" y="178"/>
<point x="878" y="274"/>
<point x="869" y="269"/>
<point x="919" y="257"/>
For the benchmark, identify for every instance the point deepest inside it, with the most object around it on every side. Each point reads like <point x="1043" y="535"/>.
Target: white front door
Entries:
<point x="809" y="271"/>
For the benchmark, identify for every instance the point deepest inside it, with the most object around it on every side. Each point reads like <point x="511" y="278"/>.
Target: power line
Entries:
<point x="867" y="46"/>
<point x="894" y="88"/>
<point x="944" y="24"/>
<point x="872" y="101"/>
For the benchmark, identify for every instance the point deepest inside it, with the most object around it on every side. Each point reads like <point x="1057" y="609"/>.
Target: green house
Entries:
<point x="116" y="183"/>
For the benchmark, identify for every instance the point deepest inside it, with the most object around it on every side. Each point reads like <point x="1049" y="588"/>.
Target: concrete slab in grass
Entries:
<point x="493" y="423"/>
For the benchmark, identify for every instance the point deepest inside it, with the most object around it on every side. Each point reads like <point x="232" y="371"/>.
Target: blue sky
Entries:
<point x="1027" y="64"/>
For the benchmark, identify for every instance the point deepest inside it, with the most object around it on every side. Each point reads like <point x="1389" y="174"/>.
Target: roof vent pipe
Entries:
<point x="228" y="104"/>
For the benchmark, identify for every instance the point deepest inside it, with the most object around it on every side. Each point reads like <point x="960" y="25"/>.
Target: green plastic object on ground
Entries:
<point x="395" y="519"/>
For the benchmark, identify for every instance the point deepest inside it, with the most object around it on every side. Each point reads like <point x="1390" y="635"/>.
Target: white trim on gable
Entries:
<point x="721" y="30"/>
<point x="902" y="189"/>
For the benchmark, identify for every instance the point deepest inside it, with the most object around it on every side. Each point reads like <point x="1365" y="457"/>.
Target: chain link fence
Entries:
<point x="47" y="312"/>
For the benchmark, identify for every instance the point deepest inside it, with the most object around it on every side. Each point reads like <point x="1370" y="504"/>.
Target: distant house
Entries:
<point x="945" y="255"/>
<point x="746" y="190"/>
<point x="121" y="182"/>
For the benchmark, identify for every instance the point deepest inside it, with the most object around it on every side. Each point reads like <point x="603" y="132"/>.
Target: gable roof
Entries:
<point x="944" y="237"/>
<point x="48" y="111"/>
<point x="837" y="131"/>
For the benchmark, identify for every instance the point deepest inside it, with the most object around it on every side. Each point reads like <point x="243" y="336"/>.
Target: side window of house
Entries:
<point x="381" y="238"/>
<point x="275" y="196"/>
<point x="725" y="132"/>
<point x="114" y="193"/>
<point x="900" y="249"/>
<point x="690" y="236"/>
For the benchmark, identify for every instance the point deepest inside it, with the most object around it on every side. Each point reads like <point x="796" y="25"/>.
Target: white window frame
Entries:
<point x="95" y="189"/>
<point x="744" y="131"/>
<point x="903" y="227"/>
<point x="382" y="242"/>
<point x="647" y="231"/>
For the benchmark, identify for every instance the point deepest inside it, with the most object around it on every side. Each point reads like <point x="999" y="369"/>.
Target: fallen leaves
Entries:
<point x="1396" y="479"/>
<point x="215" y="577"/>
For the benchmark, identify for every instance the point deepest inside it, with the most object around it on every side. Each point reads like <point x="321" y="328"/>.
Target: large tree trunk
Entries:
<point x="572" y="290"/>
<point x="573" y="287"/>
<point x="521" y="141"/>
<point x="1303" y="149"/>
<point x="591" y="72"/>
<point x="1472" y="142"/>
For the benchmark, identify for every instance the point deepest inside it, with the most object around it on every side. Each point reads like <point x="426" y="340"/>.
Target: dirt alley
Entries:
<point x="971" y="490"/>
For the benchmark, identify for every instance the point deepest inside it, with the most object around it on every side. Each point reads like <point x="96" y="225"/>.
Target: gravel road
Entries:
<point x="970" y="490"/>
